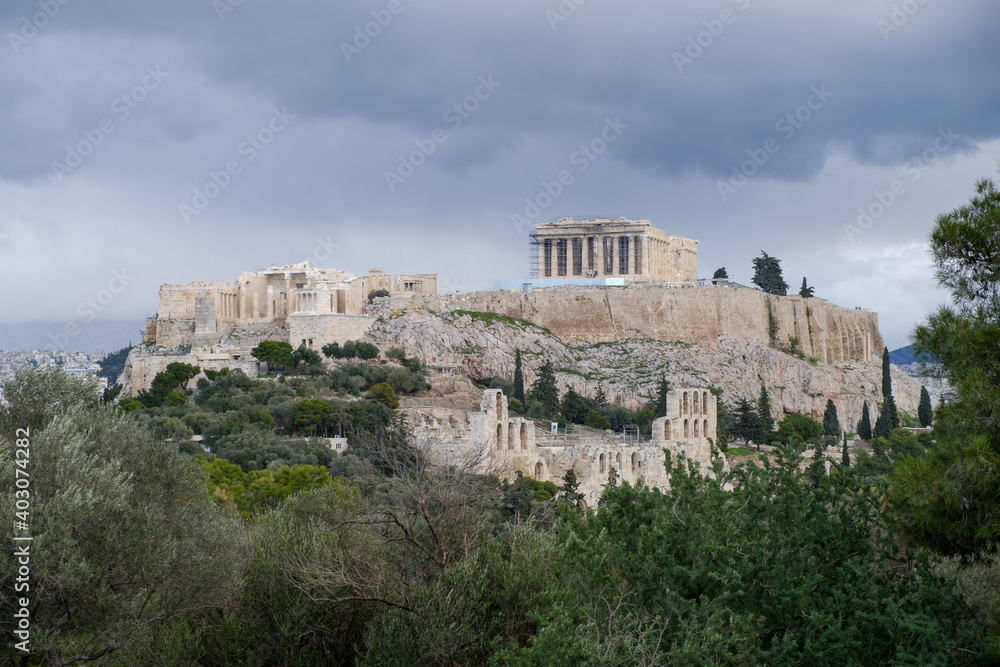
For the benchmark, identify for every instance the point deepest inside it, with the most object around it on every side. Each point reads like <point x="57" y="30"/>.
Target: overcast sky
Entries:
<point x="409" y="135"/>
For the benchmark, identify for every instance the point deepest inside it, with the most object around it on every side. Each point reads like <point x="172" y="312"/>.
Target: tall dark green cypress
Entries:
<point x="865" y="425"/>
<point x="518" y="377"/>
<point x="764" y="419"/>
<point x="887" y="419"/>
<point x="845" y="458"/>
<point x="831" y="424"/>
<point x="925" y="412"/>
<point x="888" y="400"/>
<point x="886" y="375"/>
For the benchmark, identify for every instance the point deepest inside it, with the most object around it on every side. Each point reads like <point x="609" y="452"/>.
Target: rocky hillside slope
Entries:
<point x="483" y="345"/>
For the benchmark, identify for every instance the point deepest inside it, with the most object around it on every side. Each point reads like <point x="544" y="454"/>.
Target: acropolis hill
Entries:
<point x="602" y="284"/>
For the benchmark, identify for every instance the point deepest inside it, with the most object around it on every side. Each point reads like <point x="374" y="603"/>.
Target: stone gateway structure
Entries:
<point x="630" y="249"/>
<point x="215" y="325"/>
<point x="504" y="444"/>
<point x="320" y="306"/>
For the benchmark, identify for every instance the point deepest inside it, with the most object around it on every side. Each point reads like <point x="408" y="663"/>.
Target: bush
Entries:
<point x="376" y="293"/>
<point x="595" y="419"/>
<point x="383" y="393"/>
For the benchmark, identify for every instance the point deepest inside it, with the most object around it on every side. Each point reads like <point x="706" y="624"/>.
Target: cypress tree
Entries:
<point x="845" y="458"/>
<point x="884" y="424"/>
<point x="889" y="402"/>
<point x="660" y="409"/>
<point x="764" y="419"/>
<point x="886" y="375"/>
<point x="865" y="425"/>
<point x="925" y="412"/>
<point x="518" y="377"/>
<point x="831" y="424"/>
<point x="805" y="291"/>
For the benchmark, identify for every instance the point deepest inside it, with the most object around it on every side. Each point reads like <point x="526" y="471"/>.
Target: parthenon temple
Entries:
<point x="630" y="249"/>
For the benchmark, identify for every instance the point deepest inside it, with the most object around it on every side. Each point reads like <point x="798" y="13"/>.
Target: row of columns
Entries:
<point x="569" y="256"/>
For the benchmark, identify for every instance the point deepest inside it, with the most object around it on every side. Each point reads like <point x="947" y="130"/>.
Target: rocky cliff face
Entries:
<point x="483" y="345"/>
<point x="698" y="315"/>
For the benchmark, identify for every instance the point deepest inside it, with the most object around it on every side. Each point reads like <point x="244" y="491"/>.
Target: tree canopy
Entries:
<point x="950" y="500"/>
<point x="767" y="274"/>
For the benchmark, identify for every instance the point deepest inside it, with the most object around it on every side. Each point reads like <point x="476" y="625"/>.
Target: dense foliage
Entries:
<point x="274" y="550"/>
<point x="950" y="500"/>
<point x="701" y="575"/>
<point x="767" y="274"/>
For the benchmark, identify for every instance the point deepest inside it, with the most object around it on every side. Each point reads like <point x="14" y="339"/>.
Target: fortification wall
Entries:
<point x="696" y="315"/>
<point x="322" y="329"/>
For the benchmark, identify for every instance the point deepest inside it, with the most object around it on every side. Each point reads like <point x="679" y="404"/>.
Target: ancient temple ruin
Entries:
<point x="632" y="250"/>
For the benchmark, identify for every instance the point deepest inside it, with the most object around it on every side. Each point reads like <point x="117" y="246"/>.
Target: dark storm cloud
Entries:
<point x="564" y="68"/>
<point x="889" y="95"/>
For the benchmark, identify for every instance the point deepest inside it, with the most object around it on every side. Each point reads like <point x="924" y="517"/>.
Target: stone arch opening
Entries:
<point x="666" y="430"/>
<point x="697" y="428"/>
<point x="685" y="407"/>
<point x="524" y="435"/>
<point x="539" y="471"/>
<point x="704" y="429"/>
<point x="694" y="403"/>
<point x="704" y="402"/>
<point x="604" y="464"/>
<point x="510" y="437"/>
<point x="687" y="428"/>
<point x="635" y="461"/>
<point x="618" y="462"/>
<point x="499" y="436"/>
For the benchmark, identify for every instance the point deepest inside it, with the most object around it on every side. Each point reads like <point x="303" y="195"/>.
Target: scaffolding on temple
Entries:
<point x="533" y="254"/>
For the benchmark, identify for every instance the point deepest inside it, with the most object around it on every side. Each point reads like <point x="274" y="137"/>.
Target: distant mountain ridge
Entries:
<point x="905" y="356"/>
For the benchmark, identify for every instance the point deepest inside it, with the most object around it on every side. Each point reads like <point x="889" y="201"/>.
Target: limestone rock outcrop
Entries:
<point x="483" y="345"/>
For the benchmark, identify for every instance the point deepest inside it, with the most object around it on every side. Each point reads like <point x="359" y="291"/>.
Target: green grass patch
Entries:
<point x="493" y="318"/>
<point x="738" y="451"/>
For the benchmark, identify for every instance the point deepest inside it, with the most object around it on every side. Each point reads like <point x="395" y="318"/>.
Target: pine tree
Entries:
<point x="570" y="487"/>
<point x="544" y="389"/>
<point x="767" y="274"/>
<point x="720" y="274"/>
<point x="865" y="425"/>
<point x="817" y="469"/>
<point x="925" y="412"/>
<point x="744" y="421"/>
<point x="845" y="458"/>
<point x="600" y="398"/>
<point x="831" y="424"/>
<point x="518" y="377"/>
<point x="805" y="292"/>
<point x="765" y="421"/>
